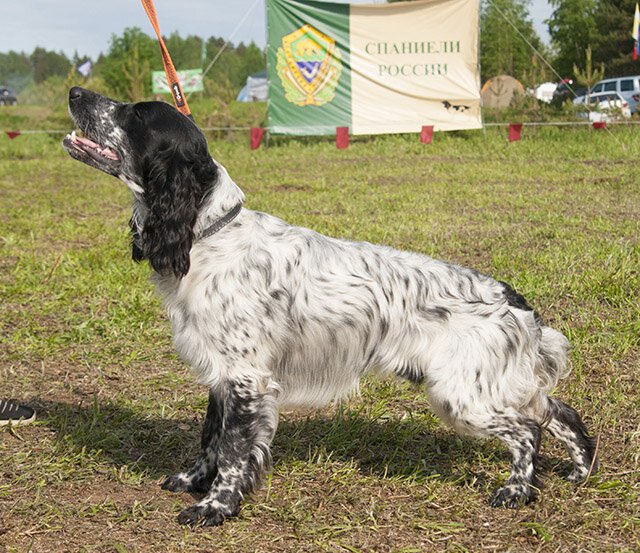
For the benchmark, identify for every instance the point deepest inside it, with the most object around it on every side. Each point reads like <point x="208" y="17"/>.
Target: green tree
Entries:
<point x="253" y="60"/>
<point x="15" y="70"/>
<point x="186" y="53"/>
<point x="588" y="76"/>
<point x="613" y="44"/>
<point x="503" y="49"/>
<point x="228" y="65"/>
<point x="137" y="75"/>
<point x="46" y="64"/>
<point x="572" y="28"/>
<point x="126" y="69"/>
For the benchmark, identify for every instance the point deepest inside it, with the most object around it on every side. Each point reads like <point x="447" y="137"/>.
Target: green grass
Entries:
<point x="85" y="341"/>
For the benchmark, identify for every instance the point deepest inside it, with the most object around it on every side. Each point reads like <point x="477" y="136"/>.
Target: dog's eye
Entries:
<point x="137" y="112"/>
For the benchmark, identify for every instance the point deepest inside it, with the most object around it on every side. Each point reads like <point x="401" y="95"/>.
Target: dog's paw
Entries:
<point x="207" y="514"/>
<point x="579" y="473"/>
<point x="576" y="476"/>
<point x="512" y="496"/>
<point x="181" y="483"/>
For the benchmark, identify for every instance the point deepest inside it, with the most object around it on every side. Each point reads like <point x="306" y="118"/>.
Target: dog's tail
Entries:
<point x="552" y="348"/>
<point x="552" y="359"/>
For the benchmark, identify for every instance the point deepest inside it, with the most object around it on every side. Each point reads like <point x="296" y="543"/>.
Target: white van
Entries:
<point x="627" y="87"/>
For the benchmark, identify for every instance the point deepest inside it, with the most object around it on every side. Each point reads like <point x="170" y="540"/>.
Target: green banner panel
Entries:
<point x="308" y="67"/>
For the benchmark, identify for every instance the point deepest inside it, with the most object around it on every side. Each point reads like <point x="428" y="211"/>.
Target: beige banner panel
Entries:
<point x="414" y="64"/>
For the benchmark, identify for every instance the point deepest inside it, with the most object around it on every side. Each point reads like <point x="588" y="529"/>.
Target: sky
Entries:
<point x="85" y="27"/>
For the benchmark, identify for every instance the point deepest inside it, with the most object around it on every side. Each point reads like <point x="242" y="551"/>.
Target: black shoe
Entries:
<point x="15" y="414"/>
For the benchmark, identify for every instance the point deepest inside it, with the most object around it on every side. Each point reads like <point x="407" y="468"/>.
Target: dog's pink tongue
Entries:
<point x="87" y="142"/>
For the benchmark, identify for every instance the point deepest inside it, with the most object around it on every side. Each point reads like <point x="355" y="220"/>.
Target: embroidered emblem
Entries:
<point x="309" y="66"/>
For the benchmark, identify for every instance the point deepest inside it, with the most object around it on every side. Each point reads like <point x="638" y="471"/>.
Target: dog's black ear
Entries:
<point x="171" y="195"/>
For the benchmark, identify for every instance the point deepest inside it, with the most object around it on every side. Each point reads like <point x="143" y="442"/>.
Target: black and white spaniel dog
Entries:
<point x="271" y="315"/>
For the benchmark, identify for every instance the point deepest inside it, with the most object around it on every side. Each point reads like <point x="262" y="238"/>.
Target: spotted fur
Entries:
<point x="271" y="315"/>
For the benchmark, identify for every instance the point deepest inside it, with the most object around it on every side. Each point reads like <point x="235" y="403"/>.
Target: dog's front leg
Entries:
<point x="249" y="421"/>
<point x="199" y="478"/>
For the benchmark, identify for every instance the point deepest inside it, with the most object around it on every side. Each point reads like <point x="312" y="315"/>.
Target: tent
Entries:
<point x="498" y="91"/>
<point x="256" y="88"/>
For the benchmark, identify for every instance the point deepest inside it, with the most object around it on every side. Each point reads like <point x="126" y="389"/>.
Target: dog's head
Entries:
<point x="163" y="158"/>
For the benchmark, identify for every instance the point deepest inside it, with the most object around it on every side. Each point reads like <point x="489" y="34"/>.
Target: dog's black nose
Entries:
<point x="75" y="93"/>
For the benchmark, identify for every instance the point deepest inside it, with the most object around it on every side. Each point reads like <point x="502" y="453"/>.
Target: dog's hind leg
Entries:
<point x="199" y="478"/>
<point x="565" y="424"/>
<point x="522" y="436"/>
<point x="249" y="421"/>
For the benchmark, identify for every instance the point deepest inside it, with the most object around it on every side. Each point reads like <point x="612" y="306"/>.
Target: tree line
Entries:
<point x="125" y="70"/>
<point x="508" y="45"/>
<point x="576" y="27"/>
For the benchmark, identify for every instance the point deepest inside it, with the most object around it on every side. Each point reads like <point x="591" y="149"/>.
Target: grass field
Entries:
<point x="85" y="341"/>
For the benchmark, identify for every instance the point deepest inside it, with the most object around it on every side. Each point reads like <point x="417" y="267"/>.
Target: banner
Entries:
<point x="190" y="81"/>
<point x="375" y="68"/>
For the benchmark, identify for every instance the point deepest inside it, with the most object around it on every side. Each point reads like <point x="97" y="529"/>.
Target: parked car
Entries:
<point x="627" y="87"/>
<point x="604" y="106"/>
<point x="7" y="97"/>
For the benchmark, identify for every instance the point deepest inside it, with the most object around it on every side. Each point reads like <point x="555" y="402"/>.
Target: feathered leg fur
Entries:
<point x="249" y="420"/>
<point x="199" y="478"/>
<point x="566" y="425"/>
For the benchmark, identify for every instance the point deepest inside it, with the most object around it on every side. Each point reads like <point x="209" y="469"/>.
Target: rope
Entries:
<point x="172" y="77"/>
<point x="240" y="128"/>
<point x="227" y="42"/>
<point x="529" y="44"/>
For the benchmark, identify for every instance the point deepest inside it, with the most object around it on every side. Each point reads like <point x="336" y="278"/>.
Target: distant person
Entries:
<point x="15" y="413"/>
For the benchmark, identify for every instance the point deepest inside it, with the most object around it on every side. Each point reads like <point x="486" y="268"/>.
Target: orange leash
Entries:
<point x="172" y="77"/>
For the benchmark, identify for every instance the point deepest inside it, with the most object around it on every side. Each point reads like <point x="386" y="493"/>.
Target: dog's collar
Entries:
<point x="222" y="222"/>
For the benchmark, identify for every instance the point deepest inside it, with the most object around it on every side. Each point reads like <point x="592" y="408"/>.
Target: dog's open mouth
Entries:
<point x="84" y="149"/>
